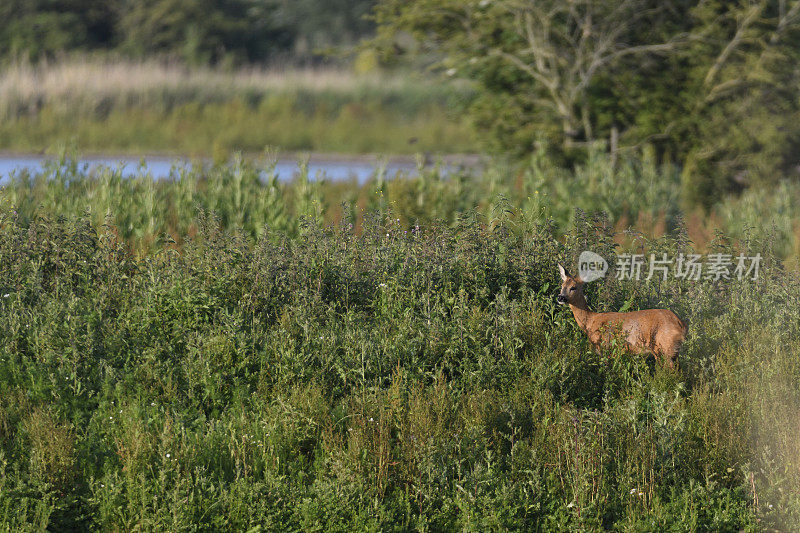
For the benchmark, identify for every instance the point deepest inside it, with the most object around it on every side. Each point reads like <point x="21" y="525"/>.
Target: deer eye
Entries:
<point x="572" y="289"/>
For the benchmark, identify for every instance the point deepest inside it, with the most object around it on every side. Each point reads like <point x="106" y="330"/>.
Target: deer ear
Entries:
<point x="563" y="273"/>
<point x="579" y="280"/>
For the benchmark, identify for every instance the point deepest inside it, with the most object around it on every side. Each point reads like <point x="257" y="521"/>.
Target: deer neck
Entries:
<point x="580" y="310"/>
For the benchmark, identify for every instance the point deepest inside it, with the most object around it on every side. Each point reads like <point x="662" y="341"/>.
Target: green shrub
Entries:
<point x="377" y="375"/>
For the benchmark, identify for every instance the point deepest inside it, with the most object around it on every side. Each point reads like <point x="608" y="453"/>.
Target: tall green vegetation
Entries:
<point x="636" y="194"/>
<point x="392" y="376"/>
<point x="712" y="84"/>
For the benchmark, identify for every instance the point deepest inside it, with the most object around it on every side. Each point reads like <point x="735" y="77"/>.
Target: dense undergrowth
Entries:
<point x="380" y="372"/>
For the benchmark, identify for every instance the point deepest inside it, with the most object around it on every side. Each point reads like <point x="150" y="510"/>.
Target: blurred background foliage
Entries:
<point x="711" y="85"/>
<point x="194" y="31"/>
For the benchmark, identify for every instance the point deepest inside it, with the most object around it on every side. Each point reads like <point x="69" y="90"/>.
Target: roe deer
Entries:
<point x="656" y="331"/>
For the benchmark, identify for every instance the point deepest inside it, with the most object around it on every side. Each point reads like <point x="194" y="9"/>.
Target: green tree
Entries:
<point x="319" y="25"/>
<point x="32" y="29"/>
<point x="711" y="83"/>
<point x="209" y="31"/>
<point x="197" y="31"/>
<point x="741" y="97"/>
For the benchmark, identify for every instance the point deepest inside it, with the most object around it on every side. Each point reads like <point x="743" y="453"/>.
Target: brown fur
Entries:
<point x="656" y="331"/>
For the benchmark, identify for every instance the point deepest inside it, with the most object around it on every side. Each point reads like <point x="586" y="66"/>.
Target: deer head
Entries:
<point x="571" y="289"/>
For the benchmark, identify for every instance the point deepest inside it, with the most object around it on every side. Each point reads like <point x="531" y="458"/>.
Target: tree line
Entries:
<point x="192" y="31"/>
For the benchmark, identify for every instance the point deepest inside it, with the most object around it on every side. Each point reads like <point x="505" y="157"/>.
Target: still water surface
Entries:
<point x="161" y="167"/>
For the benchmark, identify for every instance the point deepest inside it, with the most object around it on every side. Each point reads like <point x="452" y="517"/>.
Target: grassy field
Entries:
<point x="149" y="107"/>
<point x="396" y="363"/>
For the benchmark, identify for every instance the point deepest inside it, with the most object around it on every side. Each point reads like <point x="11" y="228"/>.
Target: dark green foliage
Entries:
<point x="403" y="377"/>
<point x="40" y="28"/>
<point x="194" y="31"/>
<point x="319" y="25"/>
<point x="201" y="31"/>
<point x="713" y="85"/>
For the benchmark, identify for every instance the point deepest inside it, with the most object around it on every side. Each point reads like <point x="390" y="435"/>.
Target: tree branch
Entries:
<point x="732" y="44"/>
